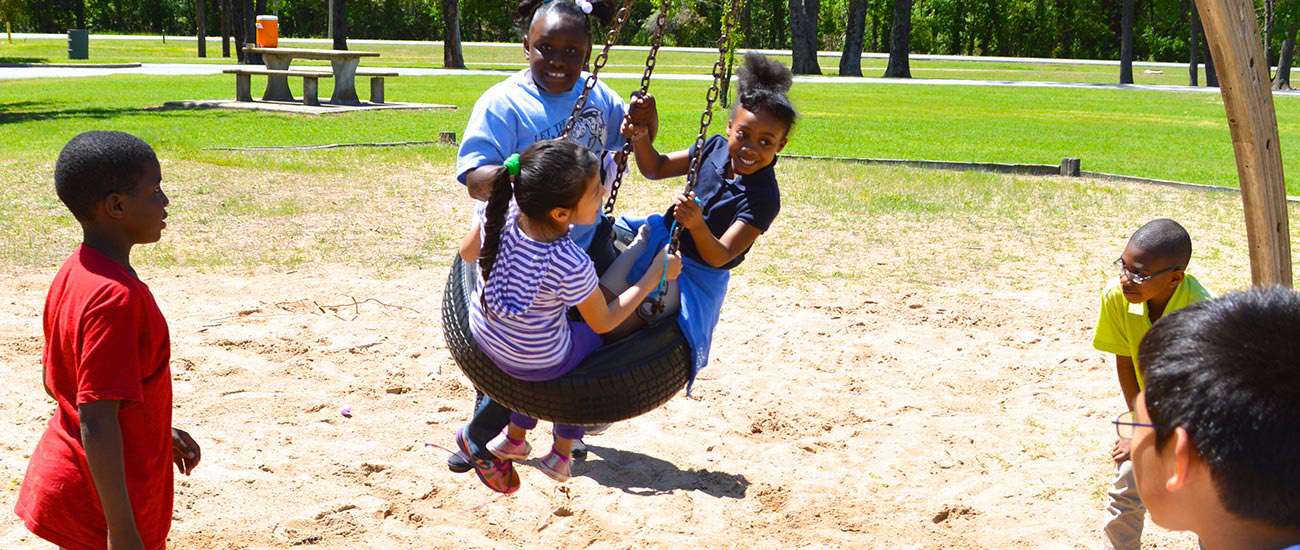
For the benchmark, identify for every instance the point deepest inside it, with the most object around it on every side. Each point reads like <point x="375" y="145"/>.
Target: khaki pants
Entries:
<point x="1125" y="512"/>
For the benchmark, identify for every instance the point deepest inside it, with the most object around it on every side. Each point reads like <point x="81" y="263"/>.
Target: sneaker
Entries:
<point x="508" y="450"/>
<point x="556" y="466"/>
<point x="459" y="463"/>
<point x="499" y="475"/>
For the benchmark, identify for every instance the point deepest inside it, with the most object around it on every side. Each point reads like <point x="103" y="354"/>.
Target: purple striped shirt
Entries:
<point x="531" y="286"/>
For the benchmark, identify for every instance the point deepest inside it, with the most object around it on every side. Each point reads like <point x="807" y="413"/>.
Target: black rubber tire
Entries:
<point x="619" y="381"/>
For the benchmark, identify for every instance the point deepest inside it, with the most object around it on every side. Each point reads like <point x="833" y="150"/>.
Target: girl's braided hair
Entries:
<point x="764" y="84"/>
<point x="530" y="10"/>
<point x="552" y="174"/>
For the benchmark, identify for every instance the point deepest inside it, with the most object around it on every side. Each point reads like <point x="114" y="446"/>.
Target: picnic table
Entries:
<point x="344" y="63"/>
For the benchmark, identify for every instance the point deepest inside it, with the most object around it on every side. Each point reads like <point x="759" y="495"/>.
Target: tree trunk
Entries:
<point x="803" y="37"/>
<point x="452" y="58"/>
<point x="851" y="60"/>
<point x="250" y="32"/>
<point x="1268" y="30"/>
<point x="225" y="28"/>
<point x="79" y="10"/>
<point x="1194" y="46"/>
<point x="1211" y="74"/>
<point x="875" y="31"/>
<point x="340" y="16"/>
<point x="240" y="30"/>
<point x="1282" y="81"/>
<point x="900" y="35"/>
<point x="201" y="23"/>
<point x="1126" y="42"/>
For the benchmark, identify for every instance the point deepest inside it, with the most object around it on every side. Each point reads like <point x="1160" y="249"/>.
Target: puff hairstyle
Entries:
<point x="1228" y="371"/>
<point x="94" y="165"/>
<point x="530" y="10"/>
<point x="763" y="85"/>
<point x="552" y="174"/>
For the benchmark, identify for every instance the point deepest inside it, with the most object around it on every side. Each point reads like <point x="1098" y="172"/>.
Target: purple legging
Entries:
<point x="585" y="341"/>
<point x="565" y="431"/>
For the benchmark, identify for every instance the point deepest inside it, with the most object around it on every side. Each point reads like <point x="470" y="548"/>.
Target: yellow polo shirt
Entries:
<point x="1121" y="325"/>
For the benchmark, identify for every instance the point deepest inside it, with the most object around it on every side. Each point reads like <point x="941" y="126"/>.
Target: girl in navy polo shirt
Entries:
<point x="736" y="199"/>
<point x="532" y="273"/>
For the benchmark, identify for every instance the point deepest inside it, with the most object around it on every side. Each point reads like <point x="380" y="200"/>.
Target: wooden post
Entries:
<point x="1233" y="36"/>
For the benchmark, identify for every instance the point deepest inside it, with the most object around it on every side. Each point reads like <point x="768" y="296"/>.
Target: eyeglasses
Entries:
<point x="1125" y="423"/>
<point x="1138" y="278"/>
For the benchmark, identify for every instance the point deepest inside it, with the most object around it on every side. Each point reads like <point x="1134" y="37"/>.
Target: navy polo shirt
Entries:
<point x="753" y="199"/>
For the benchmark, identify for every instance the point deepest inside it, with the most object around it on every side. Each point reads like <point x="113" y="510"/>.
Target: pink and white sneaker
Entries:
<point x="556" y="466"/>
<point x="504" y="448"/>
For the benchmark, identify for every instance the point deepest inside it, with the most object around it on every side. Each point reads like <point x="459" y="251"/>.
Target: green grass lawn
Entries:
<point x="1177" y="136"/>
<point x="1166" y="135"/>
<point x="494" y="57"/>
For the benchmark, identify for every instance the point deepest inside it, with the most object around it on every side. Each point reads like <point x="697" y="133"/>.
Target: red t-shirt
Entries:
<point x="105" y="339"/>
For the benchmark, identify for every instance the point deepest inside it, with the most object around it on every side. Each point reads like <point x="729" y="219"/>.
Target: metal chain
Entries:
<point x="612" y="36"/>
<point x="656" y="41"/>
<point x="720" y="70"/>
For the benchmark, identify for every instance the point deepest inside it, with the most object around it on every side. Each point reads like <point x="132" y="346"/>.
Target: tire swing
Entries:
<point x="619" y="381"/>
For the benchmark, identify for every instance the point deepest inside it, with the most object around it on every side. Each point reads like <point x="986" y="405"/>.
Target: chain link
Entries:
<point x="657" y="40"/>
<point x="720" y="71"/>
<point x="610" y="38"/>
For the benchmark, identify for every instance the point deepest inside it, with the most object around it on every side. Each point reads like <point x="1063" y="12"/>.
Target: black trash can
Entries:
<point x="78" y="44"/>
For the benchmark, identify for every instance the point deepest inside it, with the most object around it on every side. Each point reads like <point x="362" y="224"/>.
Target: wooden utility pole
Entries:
<point x="1233" y="36"/>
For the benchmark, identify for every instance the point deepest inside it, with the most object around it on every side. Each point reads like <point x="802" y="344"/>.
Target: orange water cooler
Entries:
<point x="268" y="31"/>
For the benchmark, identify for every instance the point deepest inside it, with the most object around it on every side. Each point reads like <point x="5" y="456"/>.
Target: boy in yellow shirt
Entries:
<point x="1153" y="282"/>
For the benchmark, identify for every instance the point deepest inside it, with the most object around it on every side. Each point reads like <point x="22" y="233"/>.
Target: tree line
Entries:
<point x="1127" y="30"/>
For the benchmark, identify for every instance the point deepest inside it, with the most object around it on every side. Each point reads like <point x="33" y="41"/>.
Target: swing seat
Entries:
<point x="619" y="381"/>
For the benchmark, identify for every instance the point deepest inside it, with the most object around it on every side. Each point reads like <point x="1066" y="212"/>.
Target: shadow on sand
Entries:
<point x="644" y="475"/>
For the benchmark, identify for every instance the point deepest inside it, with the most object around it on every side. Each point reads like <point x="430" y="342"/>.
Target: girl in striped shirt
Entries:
<point x="533" y="272"/>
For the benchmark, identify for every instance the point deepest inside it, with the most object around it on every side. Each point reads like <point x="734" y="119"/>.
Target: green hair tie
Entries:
<point x="512" y="164"/>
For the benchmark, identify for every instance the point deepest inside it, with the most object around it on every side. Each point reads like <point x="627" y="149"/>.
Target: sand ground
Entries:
<point x="960" y="409"/>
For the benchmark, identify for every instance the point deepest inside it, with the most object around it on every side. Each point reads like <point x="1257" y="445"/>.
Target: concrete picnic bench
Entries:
<point x="343" y="62"/>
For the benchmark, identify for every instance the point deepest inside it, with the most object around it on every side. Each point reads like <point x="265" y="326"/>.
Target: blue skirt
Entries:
<point x="702" y="288"/>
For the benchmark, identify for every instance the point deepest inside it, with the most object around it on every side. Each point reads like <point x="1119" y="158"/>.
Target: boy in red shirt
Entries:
<point x="101" y="476"/>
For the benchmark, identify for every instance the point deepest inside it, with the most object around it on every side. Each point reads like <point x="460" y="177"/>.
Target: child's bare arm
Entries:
<point x="605" y="315"/>
<point x="471" y="245"/>
<point x="713" y="250"/>
<point x="643" y="112"/>
<point x="101" y="436"/>
<point x="1128" y="381"/>
<point x="186" y="453"/>
<point x="479" y="181"/>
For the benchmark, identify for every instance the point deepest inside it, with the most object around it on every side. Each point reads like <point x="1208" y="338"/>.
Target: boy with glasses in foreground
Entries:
<point x="1216" y="441"/>
<point x="1153" y="282"/>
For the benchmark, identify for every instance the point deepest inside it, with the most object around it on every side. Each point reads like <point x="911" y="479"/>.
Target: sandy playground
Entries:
<point x="906" y="379"/>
